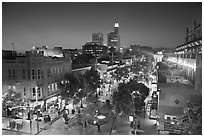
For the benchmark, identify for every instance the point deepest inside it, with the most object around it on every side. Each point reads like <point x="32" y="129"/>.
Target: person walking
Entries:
<point x="85" y="124"/>
<point x="99" y="129"/>
<point x="66" y="119"/>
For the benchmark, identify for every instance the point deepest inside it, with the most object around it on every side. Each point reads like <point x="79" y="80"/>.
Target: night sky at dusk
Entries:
<point x="71" y="25"/>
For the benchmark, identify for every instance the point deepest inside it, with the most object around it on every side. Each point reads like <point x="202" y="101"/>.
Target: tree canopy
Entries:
<point x="129" y="96"/>
<point x="92" y="79"/>
<point x="11" y="99"/>
<point x="70" y="87"/>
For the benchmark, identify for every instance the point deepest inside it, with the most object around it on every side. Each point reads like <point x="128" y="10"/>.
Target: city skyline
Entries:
<point x="70" y="25"/>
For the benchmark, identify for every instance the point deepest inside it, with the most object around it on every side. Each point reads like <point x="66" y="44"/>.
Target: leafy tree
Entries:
<point x="11" y="99"/>
<point x="122" y="99"/>
<point x="82" y="88"/>
<point x="92" y="79"/>
<point x="70" y="87"/>
<point x="129" y="96"/>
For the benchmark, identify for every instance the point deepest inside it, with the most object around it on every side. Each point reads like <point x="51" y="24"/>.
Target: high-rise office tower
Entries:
<point x="97" y="38"/>
<point x="113" y="38"/>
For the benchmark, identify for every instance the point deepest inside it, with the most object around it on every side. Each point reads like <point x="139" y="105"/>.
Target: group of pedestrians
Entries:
<point x="67" y="118"/>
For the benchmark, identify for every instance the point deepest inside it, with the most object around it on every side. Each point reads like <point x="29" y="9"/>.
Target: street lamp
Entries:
<point x="29" y="118"/>
<point x="131" y="118"/>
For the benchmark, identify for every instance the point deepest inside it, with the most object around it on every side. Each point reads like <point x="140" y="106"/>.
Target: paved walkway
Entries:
<point x="121" y="126"/>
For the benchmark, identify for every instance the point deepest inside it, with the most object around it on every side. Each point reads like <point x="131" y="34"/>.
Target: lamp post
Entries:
<point x="29" y="118"/>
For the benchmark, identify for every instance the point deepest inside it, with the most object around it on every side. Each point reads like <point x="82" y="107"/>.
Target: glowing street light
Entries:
<point x="131" y="118"/>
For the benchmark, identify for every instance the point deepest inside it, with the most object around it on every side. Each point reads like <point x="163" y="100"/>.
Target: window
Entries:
<point x="48" y="73"/>
<point x="53" y="87"/>
<point x="33" y="74"/>
<point x="38" y="74"/>
<point x="23" y="74"/>
<point x="28" y="74"/>
<point x="48" y="87"/>
<point x="24" y="91"/>
<point x="13" y="74"/>
<point x="39" y="92"/>
<point x="34" y="92"/>
<point x="9" y="74"/>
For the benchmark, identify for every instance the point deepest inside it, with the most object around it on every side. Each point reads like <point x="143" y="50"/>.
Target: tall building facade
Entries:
<point x="188" y="56"/>
<point x="97" y="38"/>
<point x="33" y="73"/>
<point x="113" y="38"/>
